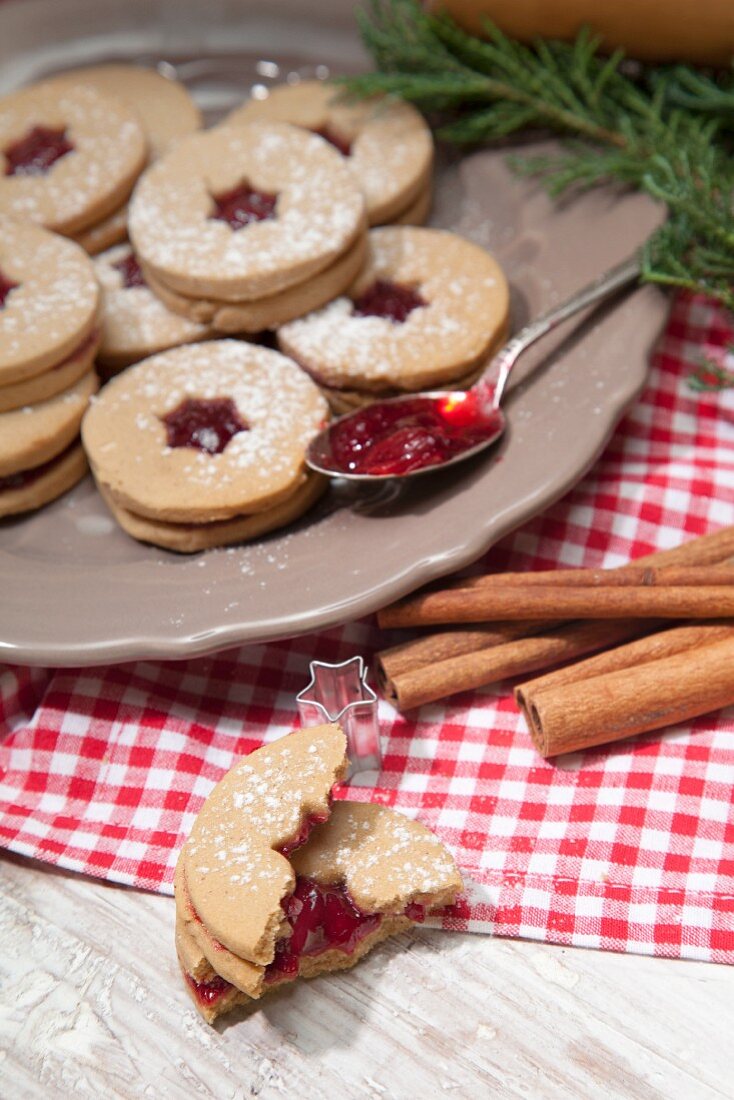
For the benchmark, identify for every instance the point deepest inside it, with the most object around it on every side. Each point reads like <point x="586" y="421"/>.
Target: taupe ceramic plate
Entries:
<point x="75" y="590"/>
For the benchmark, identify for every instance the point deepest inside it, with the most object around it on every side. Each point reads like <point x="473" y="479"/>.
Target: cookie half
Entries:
<point x="240" y="213"/>
<point x="69" y="154"/>
<point x="206" y="432"/>
<point x="428" y="308"/>
<point x="49" y="300"/>
<point x="386" y="142"/>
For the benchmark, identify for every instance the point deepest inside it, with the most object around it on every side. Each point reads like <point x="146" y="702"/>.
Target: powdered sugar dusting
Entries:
<point x="467" y="301"/>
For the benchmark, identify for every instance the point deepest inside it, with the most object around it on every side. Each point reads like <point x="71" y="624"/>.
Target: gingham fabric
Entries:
<point x="630" y="848"/>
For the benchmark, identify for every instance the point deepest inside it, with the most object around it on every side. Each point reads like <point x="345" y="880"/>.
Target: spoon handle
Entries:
<point x="602" y="287"/>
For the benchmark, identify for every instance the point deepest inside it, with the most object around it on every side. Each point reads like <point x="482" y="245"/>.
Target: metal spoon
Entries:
<point x="406" y="427"/>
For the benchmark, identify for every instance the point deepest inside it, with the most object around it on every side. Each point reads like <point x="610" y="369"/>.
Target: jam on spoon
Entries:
<point x="206" y="424"/>
<point x="385" y="298"/>
<point x="243" y="205"/>
<point x="36" y="151"/>
<point x="6" y="285"/>
<point x="129" y="268"/>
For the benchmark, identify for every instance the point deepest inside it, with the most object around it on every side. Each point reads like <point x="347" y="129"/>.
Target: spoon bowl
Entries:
<point x="417" y="434"/>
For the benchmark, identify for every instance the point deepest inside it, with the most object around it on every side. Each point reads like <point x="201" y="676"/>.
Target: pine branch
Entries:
<point x="662" y="131"/>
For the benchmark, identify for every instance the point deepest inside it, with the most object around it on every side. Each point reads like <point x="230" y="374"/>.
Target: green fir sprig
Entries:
<point x="663" y="130"/>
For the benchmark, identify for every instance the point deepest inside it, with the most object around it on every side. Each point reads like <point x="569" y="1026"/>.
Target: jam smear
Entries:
<point x="36" y="152"/>
<point x="129" y="268"/>
<point x="6" y="285"/>
<point x="341" y="143"/>
<point x="208" y="993"/>
<point x="321" y="918"/>
<point x="206" y="424"/>
<point x="243" y="205"/>
<point x="387" y="299"/>
<point x="412" y="434"/>
<point x="302" y="835"/>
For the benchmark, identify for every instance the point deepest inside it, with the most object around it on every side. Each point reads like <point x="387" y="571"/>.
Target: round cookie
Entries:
<point x="166" y="110"/>
<point x="49" y="298"/>
<point x="26" y="492"/>
<point x="31" y="436"/>
<point x="238" y="420"/>
<point x="388" y="146"/>
<point x="314" y="212"/>
<point x="110" y="231"/>
<point x="276" y="309"/>
<point x="417" y="212"/>
<point x="191" y="538"/>
<point x="69" y="155"/>
<point x="55" y="380"/>
<point x="135" y="322"/>
<point x="450" y="314"/>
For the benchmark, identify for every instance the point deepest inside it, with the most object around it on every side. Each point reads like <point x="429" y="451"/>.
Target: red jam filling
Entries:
<point x="208" y="993"/>
<point x="129" y="268"/>
<point x="339" y="142"/>
<point x="207" y="425"/>
<point x="322" y="918"/>
<point x="302" y="835"/>
<point x="6" y="285"/>
<point x="243" y="205"/>
<point x="387" y="299"/>
<point x="22" y="478"/>
<point x="36" y="152"/>
<point x="390" y="439"/>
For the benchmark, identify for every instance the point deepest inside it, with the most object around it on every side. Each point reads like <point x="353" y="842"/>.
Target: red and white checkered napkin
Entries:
<point x="630" y="848"/>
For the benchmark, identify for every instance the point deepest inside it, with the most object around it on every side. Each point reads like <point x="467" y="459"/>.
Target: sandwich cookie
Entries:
<point x="69" y="155"/>
<point x="427" y="311"/>
<point x="276" y="883"/>
<point x="241" y="213"/>
<point x="206" y="433"/>
<point x="49" y="304"/>
<point x="386" y="143"/>
<point x="135" y="323"/>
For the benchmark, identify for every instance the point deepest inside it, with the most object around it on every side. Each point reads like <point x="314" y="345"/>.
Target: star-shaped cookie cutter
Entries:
<point x="340" y="693"/>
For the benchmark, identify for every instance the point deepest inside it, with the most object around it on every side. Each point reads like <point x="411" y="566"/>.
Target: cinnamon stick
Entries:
<point x="712" y="549"/>
<point x="429" y="649"/>
<point x="629" y="576"/>
<point x="416" y="686"/>
<point x="477" y="605"/>
<point x="635" y="699"/>
<point x="653" y="647"/>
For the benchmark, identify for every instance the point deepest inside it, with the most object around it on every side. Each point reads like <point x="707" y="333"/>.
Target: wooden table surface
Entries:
<point x="92" y="1004"/>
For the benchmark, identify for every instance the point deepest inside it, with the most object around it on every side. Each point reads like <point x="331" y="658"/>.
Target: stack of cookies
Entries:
<point x="246" y="227"/>
<point x="427" y="311"/>
<point x="72" y="148"/>
<point x="49" y="332"/>
<point x="204" y="445"/>
<point x="386" y="143"/>
<point x="276" y="882"/>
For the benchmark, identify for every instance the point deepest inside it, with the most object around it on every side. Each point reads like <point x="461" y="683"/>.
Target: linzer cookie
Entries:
<point x="386" y="143"/>
<point x="276" y="882"/>
<point x="202" y="434"/>
<point x="428" y="310"/>
<point x="242" y="213"/>
<point x="69" y="155"/>
<point x="166" y="111"/>
<point x="49" y="300"/>
<point x="104" y="234"/>
<point x="135" y="323"/>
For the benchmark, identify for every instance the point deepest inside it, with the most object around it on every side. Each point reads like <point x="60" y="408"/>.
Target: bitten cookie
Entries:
<point x="135" y="323"/>
<point x="166" y="110"/>
<point x="428" y="309"/>
<point x="240" y="213"/>
<point x="69" y="155"/>
<point x="276" y="883"/>
<point x="199" y="434"/>
<point x="386" y="143"/>
<point x="49" y="300"/>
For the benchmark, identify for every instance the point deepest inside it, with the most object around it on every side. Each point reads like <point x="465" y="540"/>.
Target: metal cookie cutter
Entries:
<point x="340" y="693"/>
